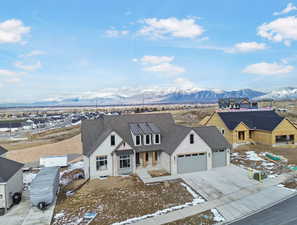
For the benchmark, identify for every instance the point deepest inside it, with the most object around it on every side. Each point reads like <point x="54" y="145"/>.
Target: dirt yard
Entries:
<point x="288" y="153"/>
<point x="117" y="199"/>
<point x="158" y="173"/>
<point x="69" y="146"/>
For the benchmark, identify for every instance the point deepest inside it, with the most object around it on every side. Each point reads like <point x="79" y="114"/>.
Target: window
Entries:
<point x="1" y="196"/>
<point x="191" y="138"/>
<point x="147" y="139"/>
<point x="157" y="139"/>
<point x="124" y="161"/>
<point x="112" y="140"/>
<point x="101" y="162"/>
<point x="137" y="141"/>
<point x="241" y="135"/>
<point x="222" y="131"/>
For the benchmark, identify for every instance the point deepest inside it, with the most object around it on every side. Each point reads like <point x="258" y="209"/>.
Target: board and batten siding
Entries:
<point x="199" y="146"/>
<point x="104" y="149"/>
<point x="164" y="161"/>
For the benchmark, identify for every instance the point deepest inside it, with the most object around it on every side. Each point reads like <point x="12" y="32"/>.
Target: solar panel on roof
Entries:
<point x="135" y="129"/>
<point x="154" y="128"/>
<point x="145" y="128"/>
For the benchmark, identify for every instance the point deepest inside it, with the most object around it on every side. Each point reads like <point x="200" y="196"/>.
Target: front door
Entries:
<point x="137" y="159"/>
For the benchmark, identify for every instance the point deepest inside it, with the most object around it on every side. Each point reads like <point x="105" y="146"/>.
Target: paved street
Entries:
<point x="283" y="213"/>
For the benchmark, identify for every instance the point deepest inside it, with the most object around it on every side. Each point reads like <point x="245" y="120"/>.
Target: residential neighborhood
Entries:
<point x="148" y="112"/>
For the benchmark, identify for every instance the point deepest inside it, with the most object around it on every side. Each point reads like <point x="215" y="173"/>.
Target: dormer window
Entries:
<point x="157" y="139"/>
<point x="147" y="139"/>
<point x="191" y="138"/>
<point x="138" y="140"/>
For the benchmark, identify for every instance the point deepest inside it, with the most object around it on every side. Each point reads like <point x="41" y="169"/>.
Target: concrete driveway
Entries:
<point x="218" y="182"/>
<point x="25" y="214"/>
<point x="228" y="182"/>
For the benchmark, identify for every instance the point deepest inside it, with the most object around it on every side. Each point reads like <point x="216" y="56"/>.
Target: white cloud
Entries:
<point x="13" y="80"/>
<point x="116" y="33"/>
<point x="4" y="72"/>
<point x="265" y="68"/>
<point x="27" y="67"/>
<point x="33" y="53"/>
<point x="171" y="27"/>
<point x="165" y="68"/>
<point x="290" y="7"/>
<point x="184" y="83"/>
<point x="280" y="30"/>
<point x="151" y="59"/>
<point x="162" y="64"/>
<point x="12" y="31"/>
<point x="244" y="47"/>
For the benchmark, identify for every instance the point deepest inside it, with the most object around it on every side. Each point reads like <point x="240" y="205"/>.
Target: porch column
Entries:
<point x="154" y="162"/>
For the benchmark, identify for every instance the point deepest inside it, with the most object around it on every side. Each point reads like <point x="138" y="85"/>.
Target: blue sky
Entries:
<point x="51" y="49"/>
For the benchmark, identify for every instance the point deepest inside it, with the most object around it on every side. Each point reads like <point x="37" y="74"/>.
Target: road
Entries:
<point x="283" y="213"/>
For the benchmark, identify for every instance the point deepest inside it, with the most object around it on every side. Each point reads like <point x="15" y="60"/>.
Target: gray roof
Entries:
<point x="257" y="120"/>
<point x="2" y="150"/>
<point x="94" y="132"/>
<point x="8" y="168"/>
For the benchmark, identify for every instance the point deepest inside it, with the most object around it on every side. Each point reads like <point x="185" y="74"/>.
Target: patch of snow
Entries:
<point x="197" y="200"/>
<point x="283" y="186"/>
<point x="217" y="216"/>
<point x="59" y="215"/>
<point x="253" y="156"/>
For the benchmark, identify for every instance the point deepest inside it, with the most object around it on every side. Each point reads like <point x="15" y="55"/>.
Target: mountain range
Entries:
<point x="159" y="96"/>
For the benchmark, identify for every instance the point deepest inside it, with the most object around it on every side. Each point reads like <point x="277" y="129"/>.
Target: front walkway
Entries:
<point x="233" y="200"/>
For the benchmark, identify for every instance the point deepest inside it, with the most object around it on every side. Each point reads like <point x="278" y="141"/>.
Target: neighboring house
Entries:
<point x="264" y="127"/>
<point x="11" y="182"/>
<point x="117" y="145"/>
<point x="237" y="103"/>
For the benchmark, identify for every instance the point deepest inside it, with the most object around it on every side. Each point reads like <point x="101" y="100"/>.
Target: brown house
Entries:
<point x="264" y="127"/>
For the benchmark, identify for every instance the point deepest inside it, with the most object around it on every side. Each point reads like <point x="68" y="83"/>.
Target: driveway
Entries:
<point x="218" y="182"/>
<point x="228" y="182"/>
<point x="25" y="214"/>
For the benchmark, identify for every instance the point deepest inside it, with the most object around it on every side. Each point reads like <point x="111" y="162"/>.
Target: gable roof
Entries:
<point x="213" y="138"/>
<point x="94" y="132"/>
<point x="2" y="150"/>
<point x="8" y="168"/>
<point x="257" y="120"/>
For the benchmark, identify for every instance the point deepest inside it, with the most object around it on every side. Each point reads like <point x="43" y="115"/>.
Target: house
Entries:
<point x="254" y="126"/>
<point x="237" y="103"/>
<point x="11" y="183"/>
<point x="118" y="145"/>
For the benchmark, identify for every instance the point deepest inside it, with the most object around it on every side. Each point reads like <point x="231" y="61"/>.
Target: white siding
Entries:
<point x="2" y="192"/>
<point x="185" y="147"/>
<point x="86" y="166"/>
<point x="15" y="184"/>
<point x="104" y="149"/>
<point x="165" y="161"/>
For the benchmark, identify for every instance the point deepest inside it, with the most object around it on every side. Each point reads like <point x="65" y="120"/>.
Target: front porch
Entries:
<point x="147" y="159"/>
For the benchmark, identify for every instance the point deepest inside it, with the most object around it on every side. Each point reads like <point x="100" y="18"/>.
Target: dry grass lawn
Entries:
<point x="69" y="146"/>
<point x="117" y="199"/>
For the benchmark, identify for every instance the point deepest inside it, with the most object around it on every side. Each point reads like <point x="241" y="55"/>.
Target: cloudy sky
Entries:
<point x="54" y="48"/>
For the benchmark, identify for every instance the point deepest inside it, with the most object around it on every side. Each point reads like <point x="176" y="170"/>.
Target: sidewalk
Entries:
<point x="262" y="195"/>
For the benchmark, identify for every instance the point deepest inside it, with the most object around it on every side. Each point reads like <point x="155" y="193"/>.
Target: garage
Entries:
<point x="191" y="162"/>
<point x="219" y="158"/>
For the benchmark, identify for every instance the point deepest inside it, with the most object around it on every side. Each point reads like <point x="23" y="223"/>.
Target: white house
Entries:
<point x="117" y="145"/>
<point x="11" y="181"/>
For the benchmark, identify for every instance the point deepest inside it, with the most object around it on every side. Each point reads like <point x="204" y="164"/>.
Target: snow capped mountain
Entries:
<point x="147" y="96"/>
<point x="281" y="94"/>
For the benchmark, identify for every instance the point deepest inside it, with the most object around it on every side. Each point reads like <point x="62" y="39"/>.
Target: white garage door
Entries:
<point x="219" y="158"/>
<point x="191" y="162"/>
